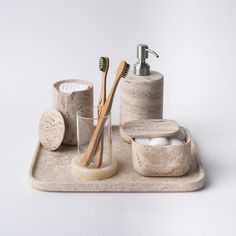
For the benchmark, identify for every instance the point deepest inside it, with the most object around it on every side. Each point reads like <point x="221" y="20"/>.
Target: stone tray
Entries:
<point x="51" y="171"/>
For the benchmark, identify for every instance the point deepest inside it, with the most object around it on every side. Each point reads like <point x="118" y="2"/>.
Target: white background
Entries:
<point x="44" y="41"/>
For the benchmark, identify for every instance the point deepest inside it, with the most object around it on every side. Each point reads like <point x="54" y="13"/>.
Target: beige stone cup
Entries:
<point x="69" y="102"/>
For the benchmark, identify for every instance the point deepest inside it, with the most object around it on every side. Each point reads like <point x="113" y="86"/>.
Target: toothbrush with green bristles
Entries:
<point x="122" y="71"/>
<point x="103" y="67"/>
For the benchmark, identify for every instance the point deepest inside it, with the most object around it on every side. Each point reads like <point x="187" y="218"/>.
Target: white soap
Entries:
<point x="175" y="141"/>
<point x="70" y="87"/>
<point x="159" y="142"/>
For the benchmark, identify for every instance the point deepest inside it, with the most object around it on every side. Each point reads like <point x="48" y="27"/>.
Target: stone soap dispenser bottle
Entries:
<point x="141" y="94"/>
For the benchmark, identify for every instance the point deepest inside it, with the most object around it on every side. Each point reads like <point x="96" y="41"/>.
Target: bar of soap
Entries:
<point x="70" y="87"/>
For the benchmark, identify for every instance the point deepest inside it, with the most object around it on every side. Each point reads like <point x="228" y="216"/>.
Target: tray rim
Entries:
<point x="193" y="184"/>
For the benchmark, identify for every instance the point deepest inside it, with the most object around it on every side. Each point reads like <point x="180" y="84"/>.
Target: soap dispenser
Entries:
<point x="141" y="94"/>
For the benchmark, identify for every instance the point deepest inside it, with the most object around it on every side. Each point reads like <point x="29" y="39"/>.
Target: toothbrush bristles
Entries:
<point x="102" y="64"/>
<point x="126" y="70"/>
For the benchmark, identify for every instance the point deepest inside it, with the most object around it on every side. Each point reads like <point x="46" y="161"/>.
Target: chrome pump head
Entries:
<point x="141" y="68"/>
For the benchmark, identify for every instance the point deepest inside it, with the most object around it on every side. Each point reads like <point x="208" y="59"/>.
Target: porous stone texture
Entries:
<point x="141" y="97"/>
<point x="51" y="171"/>
<point x="51" y="129"/>
<point x="69" y="103"/>
<point x="169" y="160"/>
<point x="150" y="128"/>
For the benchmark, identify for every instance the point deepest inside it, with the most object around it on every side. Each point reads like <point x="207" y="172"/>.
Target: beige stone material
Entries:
<point x="51" y="129"/>
<point x="69" y="103"/>
<point x="169" y="160"/>
<point x="51" y="171"/>
<point x="151" y="128"/>
<point x="107" y="170"/>
<point x="124" y="136"/>
<point x="141" y="97"/>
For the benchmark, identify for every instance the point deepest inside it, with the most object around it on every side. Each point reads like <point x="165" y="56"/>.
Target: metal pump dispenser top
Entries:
<point x="141" y="68"/>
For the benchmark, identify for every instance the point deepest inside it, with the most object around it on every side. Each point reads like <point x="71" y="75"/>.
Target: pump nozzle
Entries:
<point x="141" y="67"/>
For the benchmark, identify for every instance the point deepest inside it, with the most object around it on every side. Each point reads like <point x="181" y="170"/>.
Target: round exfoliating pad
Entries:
<point x="51" y="129"/>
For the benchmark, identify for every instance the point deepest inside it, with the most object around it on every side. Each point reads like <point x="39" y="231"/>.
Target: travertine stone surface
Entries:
<point x="124" y="135"/>
<point x="151" y="128"/>
<point x="141" y="97"/>
<point x="51" y="129"/>
<point x="51" y="171"/>
<point x="170" y="160"/>
<point x="69" y="103"/>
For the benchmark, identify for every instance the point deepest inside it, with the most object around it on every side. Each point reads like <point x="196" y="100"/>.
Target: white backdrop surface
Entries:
<point x="45" y="41"/>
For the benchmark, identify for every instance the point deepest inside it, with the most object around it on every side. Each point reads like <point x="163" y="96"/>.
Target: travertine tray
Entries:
<point x="51" y="171"/>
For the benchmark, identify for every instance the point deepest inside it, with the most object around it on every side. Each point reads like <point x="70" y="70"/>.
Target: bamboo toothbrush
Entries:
<point x="103" y="67"/>
<point x="122" y="71"/>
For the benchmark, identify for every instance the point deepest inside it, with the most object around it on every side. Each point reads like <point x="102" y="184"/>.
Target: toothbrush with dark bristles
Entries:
<point x="122" y="71"/>
<point x="103" y="67"/>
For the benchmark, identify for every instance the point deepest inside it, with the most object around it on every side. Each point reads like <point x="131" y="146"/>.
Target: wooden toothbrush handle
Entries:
<point x="99" y="152"/>
<point x="105" y="111"/>
<point x="107" y="106"/>
<point x="93" y="143"/>
<point x="103" y="95"/>
<point x="102" y="99"/>
<point x="99" y="128"/>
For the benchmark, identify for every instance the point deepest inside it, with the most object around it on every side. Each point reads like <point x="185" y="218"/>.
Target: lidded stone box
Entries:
<point x="172" y="159"/>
